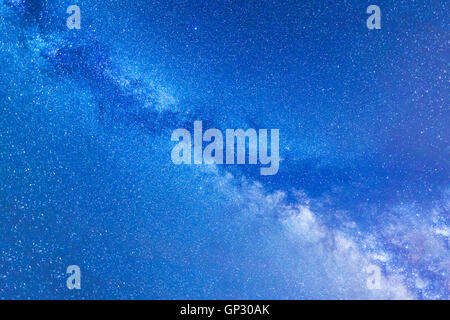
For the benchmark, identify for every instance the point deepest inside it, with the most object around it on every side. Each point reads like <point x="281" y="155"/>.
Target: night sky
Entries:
<point x="85" y="143"/>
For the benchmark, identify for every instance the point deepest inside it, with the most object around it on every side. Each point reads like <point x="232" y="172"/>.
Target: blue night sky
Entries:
<point x="87" y="177"/>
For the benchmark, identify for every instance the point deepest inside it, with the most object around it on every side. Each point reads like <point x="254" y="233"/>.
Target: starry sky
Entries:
<point x="87" y="178"/>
